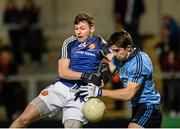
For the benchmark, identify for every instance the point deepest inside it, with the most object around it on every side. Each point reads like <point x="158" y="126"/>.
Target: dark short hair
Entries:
<point x="120" y="39"/>
<point x="84" y="17"/>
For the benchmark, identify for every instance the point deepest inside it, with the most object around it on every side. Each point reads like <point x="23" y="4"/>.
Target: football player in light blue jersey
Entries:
<point x="136" y="74"/>
<point x="78" y="64"/>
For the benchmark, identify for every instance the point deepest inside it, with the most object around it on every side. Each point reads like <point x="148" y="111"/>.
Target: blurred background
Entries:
<point x="31" y="34"/>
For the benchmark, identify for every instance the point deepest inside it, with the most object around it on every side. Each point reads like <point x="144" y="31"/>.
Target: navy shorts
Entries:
<point x="147" y="116"/>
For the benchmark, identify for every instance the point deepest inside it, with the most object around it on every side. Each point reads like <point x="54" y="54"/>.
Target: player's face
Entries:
<point x="119" y="52"/>
<point x="83" y="31"/>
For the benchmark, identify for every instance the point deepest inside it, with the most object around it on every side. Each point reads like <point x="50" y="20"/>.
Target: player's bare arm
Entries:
<point x="65" y="72"/>
<point x="122" y="94"/>
<point x="109" y="56"/>
<point x="111" y="66"/>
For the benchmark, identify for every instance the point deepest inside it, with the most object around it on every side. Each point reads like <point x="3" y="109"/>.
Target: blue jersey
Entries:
<point x="138" y="69"/>
<point x="84" y="57"/>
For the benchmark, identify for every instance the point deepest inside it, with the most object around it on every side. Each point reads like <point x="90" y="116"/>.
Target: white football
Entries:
<point x="94" y="110"/>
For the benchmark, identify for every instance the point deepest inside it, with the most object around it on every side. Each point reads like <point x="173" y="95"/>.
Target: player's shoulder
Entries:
<point x="135" y="60"/>
<point x="101" y="39"/>
<point x="69" y="39"/>
<point x="141" y="62"/>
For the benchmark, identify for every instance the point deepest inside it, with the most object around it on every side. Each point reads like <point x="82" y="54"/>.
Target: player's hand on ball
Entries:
<point x="90" y="90"/>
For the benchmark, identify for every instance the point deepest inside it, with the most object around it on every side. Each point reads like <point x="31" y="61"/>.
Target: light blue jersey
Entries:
<point x="138" y="69"/>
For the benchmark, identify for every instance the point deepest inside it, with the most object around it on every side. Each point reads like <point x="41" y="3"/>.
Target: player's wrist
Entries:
<point x="97" y="91"/>
<point x="91" y="78"/>
<point x="84" y="76"/>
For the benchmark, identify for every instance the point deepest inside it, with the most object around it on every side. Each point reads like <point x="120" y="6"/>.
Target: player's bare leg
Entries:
<point x="134" y="125"/>
<point x="30" y="114"/>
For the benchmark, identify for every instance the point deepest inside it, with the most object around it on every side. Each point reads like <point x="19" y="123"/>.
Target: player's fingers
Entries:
<point x="84" y="93"/>
<point x="74" y="89"/>
<point x="83" y="88"/>
<point x="91" y="85"/>
<point x="76" y="97"/>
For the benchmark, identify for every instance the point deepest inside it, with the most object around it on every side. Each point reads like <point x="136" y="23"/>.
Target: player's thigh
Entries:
<point x="40" y="106"/>
<point x="72" y="113"/>
<point x="147" y="116"/>
<point x="73" y="110"/>
<point x="53" y="98"/>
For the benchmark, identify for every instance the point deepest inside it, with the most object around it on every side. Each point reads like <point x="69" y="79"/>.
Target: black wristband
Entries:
<point x="91" y="78"/>
<point x="84" y="76"/>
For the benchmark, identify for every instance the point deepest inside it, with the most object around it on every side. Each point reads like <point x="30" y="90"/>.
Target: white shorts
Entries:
<point x="59" y="97"/>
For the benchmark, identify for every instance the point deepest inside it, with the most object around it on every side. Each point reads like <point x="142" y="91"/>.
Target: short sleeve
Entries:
<point x="66" y="46"/>
<point x="137" y="71"/>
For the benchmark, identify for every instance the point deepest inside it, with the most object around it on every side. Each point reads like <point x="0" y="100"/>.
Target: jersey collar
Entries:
<point x="133" y="54"/>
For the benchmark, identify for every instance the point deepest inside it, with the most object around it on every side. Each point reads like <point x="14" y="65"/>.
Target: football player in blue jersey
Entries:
<point x="136" y="74"/>
<point x="78" y="64"/>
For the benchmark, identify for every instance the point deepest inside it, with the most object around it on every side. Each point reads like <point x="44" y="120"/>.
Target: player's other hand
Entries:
<point x="91" y="78"/>
<point x="88" y="91"/>
<point x="75" y="89"/>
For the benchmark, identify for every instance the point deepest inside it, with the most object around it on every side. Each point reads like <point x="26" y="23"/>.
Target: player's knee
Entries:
<point x="72" y="124"/>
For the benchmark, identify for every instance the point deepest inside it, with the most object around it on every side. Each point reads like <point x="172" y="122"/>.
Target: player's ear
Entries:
<point x="92" y="29"/>
<point x="129" y="48"/>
